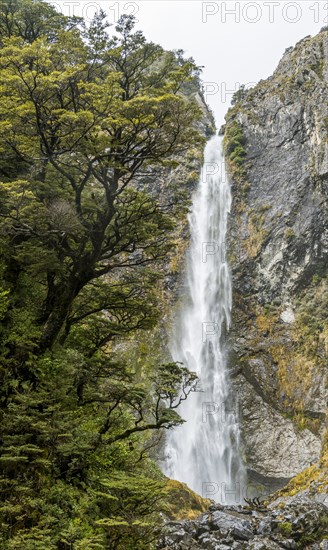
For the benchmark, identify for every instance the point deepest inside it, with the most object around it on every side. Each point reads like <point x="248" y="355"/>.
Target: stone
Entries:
<point x="289" y="543"/>
<point x="278" y="238"/>
<point x="288" y="316"/>
<point x="262" y="530"/>
<point x="265" y="526"/>
<point x="238" y="528"/>
<point x="263" y="544"/>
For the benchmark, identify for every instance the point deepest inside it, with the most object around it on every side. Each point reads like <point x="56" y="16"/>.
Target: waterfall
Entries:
<point x="204" y="451"/>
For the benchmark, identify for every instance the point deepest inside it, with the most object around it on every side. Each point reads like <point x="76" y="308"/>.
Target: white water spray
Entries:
<point x="204" y="451"/>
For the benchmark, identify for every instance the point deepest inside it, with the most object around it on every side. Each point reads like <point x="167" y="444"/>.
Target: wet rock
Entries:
<point x="227" y="523"/>
<point x="289" y="543"/>
<point x="263" y="544"/>
<point x="285" y="523"/>
<point x="278" y="240"/>
<point x="265" y="526"/>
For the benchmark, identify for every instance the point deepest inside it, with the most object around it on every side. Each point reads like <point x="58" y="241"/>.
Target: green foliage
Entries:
<point x="82" y="118"/>
<point x="30" y="20"/>
<point x="286" y="528"/>
<point x="239" y="95"/>
<point x="3" y="302"/>
<point x="234" y="146"/>
<point x="182" y="502"/>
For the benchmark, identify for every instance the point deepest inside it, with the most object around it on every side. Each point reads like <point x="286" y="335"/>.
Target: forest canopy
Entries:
<point x="84" y="115"/>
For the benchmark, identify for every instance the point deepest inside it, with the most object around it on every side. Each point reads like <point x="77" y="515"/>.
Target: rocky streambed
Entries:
<point x="295" y="522"/>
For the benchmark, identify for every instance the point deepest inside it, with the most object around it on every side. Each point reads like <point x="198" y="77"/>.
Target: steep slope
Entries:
<point x="277" y="150"/>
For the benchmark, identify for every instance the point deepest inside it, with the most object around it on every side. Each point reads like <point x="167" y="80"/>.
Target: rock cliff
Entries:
<point x="276" y="143"/>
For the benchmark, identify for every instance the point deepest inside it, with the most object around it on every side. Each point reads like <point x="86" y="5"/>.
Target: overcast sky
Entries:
<point x="237" y="42"/>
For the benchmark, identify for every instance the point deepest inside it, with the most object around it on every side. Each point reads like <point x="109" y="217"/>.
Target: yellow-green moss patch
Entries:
<point x="182" y="502"/>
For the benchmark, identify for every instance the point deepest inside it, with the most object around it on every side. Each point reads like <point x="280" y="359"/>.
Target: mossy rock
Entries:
<point x="182" y="502"/>
<point x="315" y="476"/>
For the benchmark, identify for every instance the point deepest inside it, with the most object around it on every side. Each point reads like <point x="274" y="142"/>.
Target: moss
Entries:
<point x="192" y="177"/>
<point x="304" y="423"/>
<point x="295" y="377"/>
<point x="318" y="67"/>
<point x="265" y="207"/>
<point x="316" y="279"/>
<point x="265" y="320"/>
<point x="177" y="255"/>
<point x="257" y="234"/>
<point x="315" y="476"/>
<point x="182" y="502"/>
<point x="286" y="528"/>
<point x="300" y="353"/>
<point x="294" y="354"/>
<point x="297" y="352"/>
<point x="245" y="188"/>
<point x="289" y="233"/>
<point x="234" y="148"/>
<point x="320" y="534"/>
<point x="312" y="321"/>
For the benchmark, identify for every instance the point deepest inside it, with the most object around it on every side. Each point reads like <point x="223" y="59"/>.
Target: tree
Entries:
<point x="30" y="20"/>
<point x="239" y="95"/>
<point x="83" y="117"/>
<point x="90" y="136"/>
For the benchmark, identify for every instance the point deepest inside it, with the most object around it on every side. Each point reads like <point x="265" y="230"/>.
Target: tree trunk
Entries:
<point x="61" y="307"/>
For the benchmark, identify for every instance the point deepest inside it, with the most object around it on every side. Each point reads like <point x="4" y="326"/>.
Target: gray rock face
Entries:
<point x="275" y="449"/>
<point x="279" y="257"/>
<point x="239" y="528"/>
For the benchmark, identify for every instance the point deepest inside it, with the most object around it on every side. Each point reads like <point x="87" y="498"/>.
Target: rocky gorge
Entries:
<point x="276" y="148"/>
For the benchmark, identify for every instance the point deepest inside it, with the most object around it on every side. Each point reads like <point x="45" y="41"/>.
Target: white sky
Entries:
<point x="237" y="42"/>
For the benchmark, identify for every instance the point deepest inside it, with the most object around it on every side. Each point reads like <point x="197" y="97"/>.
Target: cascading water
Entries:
<point x="204" y="451"/>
